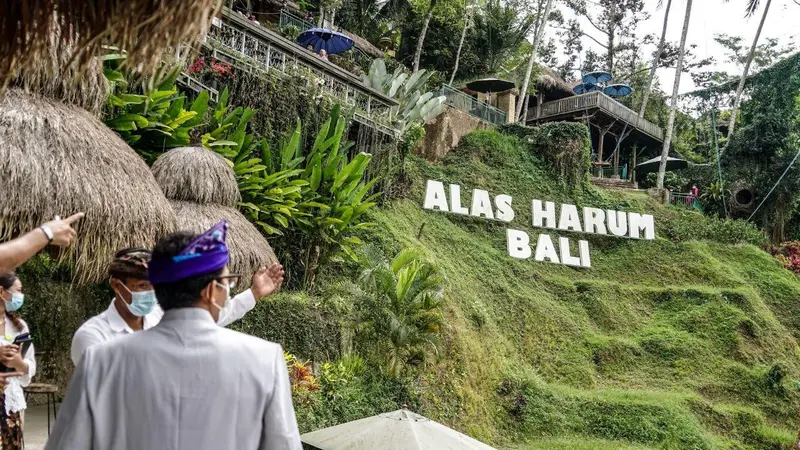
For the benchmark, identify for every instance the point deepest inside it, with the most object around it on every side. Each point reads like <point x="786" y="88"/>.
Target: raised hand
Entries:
<point x="267" y="280"/>
<point x="63" y="234"/>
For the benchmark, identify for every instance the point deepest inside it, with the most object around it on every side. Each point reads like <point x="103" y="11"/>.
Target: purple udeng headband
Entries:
<point x="206" y="254"/>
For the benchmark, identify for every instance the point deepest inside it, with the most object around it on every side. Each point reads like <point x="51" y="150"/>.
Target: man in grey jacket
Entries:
<point x="185" y="384"/>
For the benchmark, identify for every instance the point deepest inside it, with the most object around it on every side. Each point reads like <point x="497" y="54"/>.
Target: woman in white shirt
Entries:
<point x="12" y="399"/>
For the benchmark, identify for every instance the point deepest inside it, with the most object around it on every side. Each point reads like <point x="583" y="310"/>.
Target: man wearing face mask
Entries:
<point x="135" y="308"/>
<point x="185" y="384"/>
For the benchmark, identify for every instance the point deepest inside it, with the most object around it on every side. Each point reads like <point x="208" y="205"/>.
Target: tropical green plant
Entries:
<point x="154" y="120"/>
<point x="335" y="199"/>
<point x="270" y="192"/>
<point x="398" y="307"/>
<point x="415" y="105"/>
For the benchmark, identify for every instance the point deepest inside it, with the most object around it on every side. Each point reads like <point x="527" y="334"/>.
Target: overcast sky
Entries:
<point x="710" y="17"/>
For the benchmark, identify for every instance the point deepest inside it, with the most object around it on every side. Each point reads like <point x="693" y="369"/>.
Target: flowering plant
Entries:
<point x="208" y="71"/>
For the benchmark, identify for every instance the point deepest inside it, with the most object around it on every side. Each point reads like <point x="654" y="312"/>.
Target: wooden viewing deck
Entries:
<point x="587" y="104"/>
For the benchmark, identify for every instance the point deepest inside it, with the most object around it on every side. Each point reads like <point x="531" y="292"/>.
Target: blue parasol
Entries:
<point x="618" y="90"/>
<point x="324" y="39"/>
<point x="585" y="88"/>
<point x="597" y="77"/>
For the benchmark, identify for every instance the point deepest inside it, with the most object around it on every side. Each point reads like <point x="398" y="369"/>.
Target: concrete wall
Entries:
<point x="443" y="133"/>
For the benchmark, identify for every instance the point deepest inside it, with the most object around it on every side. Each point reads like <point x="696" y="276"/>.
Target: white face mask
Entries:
<point x="227" y="288"/>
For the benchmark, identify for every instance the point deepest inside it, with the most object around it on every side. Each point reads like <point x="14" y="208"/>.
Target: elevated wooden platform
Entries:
<point x="598" y="107"/>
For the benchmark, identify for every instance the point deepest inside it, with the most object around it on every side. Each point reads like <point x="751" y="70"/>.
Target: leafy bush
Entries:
<point x="688" y="225"/>
<point x="334" y="200"/>
<point x="672" y="181"/>
<point x="398" y="306"/>
<point x="155" y="120"/>
<point x="415" y="105"/>
<point x="562" y="146"/>
<point x="788" y="254"/>
<point x="301" y="378"/>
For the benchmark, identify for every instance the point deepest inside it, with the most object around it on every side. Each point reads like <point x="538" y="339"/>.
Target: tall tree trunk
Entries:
<point x="421" y="40"/>
<point x="662" y="168"/>
<point x="460" y="43"/>
<point x="612" y="37"/>
<point x="537" y="40"/>
<point x="740" y="88"/>
<point x="321" y="18"/>
<point x="656" y="61"/>
<point x="333" y="17"/>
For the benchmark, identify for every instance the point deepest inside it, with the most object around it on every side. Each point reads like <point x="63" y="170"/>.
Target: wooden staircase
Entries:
<point x="614" y="183"/>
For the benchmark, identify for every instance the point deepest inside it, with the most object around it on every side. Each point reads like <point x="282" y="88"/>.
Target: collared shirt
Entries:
<point x="185" y="384"/>
<point x="109" y="324"/>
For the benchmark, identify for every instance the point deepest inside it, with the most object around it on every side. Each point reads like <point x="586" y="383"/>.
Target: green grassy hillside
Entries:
<point x="688" y="341"/>
<point x="672" y="343"/>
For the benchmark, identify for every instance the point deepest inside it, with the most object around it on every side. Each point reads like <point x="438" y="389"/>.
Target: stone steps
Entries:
<point x="612" y="183"/>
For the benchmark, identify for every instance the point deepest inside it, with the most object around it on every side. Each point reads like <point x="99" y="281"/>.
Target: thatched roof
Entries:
<point x="195" y="174"/>
<point x="144" y="28"/>
<point x="202" y="189"/>
<point x="551" y="84"/>
<point x="58" y="160"/>
<point x="248" y="248"/>
<point x="365" y="45"/>
<point x="54" y="78"/>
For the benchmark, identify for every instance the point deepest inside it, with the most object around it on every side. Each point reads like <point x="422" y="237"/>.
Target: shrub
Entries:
<point x="788" y="254"/>
<point x="672" y="181"/>
<point x="302" y="380"/>
<point x="690" y="225"/>
<point x="398" y="307"/>
<point x="562" y="146"/>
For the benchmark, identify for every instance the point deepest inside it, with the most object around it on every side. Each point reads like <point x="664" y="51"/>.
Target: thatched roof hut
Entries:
<point x="552" y="86"/>
<point x="194" y="174"/>
<point x="144" y="28"/>
<point x="55" y="78"/>
<point x="202" y="189"/>
<point x="56" y="160"/>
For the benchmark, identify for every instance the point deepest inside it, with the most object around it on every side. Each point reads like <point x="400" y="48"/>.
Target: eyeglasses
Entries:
<point x="233" y="279"/>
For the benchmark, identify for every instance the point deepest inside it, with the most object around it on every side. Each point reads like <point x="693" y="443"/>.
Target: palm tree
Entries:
<point x="461" y="42"/>
<point x="662" y="168"/>
<point x="542" y="22"/>
<point x="752" y="7"/>
<point x="657" y="59"/>
<point x="422" y="33"/>
<point x="399" y="305"/>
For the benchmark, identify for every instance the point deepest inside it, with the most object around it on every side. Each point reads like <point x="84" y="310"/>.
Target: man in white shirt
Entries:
<point x="187" y="383"/>
<point x="134" y="307"/>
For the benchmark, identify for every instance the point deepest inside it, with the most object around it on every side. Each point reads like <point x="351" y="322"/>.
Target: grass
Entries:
<point x="617" y="356"/>
<point x="684" y="342"/>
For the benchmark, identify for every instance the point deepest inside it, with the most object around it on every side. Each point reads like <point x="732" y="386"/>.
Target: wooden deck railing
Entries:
<point x="596" y="100"/>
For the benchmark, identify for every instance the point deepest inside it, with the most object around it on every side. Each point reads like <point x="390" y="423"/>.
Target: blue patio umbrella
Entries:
<point x="585" y="88"/>
<point x="618" y="90"/>
<point x="597" y="77"/>
<point x="324" y="39"/>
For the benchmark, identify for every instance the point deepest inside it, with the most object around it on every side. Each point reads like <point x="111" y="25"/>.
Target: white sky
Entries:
<point x="710" y="17"/>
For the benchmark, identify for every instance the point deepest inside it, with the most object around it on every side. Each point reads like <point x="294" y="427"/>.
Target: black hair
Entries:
<point x="6" y="281"/>
<point x="130" y="263"/>
<point x="186" y="292"/>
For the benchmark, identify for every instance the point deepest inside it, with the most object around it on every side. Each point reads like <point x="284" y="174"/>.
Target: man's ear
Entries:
<point x="208" y="291"/>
